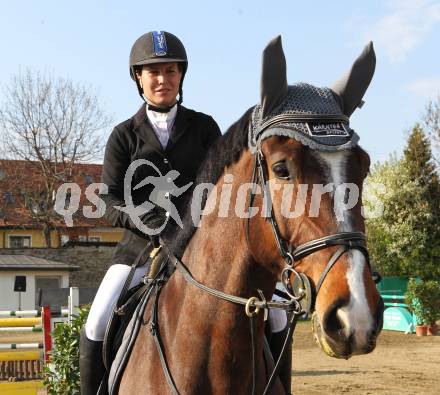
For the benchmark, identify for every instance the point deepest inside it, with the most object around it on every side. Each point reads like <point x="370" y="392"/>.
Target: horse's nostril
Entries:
<point x="332" y="324"/>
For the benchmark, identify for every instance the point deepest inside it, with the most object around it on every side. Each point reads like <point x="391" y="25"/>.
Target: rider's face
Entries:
<point x="160" y="83"/>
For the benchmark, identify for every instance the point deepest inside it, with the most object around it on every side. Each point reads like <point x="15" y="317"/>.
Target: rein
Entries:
<point x="252" y="306"/>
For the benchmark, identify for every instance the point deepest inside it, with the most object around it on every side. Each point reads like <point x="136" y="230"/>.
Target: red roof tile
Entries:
<point x="18" y="175"/>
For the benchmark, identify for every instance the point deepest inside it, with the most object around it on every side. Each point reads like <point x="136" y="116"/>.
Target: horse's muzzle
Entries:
<point x="338" y="341"/>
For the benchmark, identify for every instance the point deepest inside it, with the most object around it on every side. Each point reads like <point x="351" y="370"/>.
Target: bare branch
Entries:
<point x="53" y="123"/>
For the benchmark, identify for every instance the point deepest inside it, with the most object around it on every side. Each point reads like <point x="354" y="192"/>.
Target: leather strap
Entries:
<point x="330" y="264"/>
<point x="154" y="327"/>
<point x="288" y="338"/>
<point x="291" y="306"/>
<point x="140" y="260"/>
<point x="351" y="239"/>
<point x="154" y="330"/>
<point x="253" y="329"/>
<point x="262" y="172"/>
<point x="252" y="194"/>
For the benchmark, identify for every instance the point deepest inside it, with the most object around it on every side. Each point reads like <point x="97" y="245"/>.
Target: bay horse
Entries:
<point x="297" y="139"/>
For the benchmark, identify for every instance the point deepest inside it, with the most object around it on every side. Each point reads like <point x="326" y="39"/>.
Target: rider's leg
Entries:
<point x="91" y="364"/>
<point x="108" y="292"/>
<point x="277" y="320"/>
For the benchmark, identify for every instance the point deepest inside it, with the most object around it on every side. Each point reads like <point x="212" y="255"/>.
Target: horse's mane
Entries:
<point x="224" y="152"/>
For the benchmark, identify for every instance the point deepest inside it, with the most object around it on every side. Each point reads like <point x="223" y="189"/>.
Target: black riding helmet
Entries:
<point x="157" y="47"/>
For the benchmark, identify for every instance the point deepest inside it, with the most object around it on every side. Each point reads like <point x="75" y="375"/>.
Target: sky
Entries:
<point x="89" y="42"/>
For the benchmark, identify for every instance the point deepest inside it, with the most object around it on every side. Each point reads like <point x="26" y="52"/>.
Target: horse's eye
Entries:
<point x="281" y="171"/>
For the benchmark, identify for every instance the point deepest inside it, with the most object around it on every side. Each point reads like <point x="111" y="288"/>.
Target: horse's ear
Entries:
<point x="273" y="76"/>
<point x="353" y="85"/>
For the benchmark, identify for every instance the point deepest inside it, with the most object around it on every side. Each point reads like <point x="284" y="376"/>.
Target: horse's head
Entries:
<point x="305" y="148"/>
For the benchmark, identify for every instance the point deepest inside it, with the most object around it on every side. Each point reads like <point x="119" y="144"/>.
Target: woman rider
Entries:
<point x="171" y="138"/>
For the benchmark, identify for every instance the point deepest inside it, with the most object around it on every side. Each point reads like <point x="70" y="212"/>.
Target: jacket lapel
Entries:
<point x="143" y="128"/>
<point x="181" y="124"/>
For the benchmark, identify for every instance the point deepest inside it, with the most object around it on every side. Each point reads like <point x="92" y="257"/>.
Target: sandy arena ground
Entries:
<point x="400" y="364"/>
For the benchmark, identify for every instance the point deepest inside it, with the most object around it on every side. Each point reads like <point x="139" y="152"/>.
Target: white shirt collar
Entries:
<point x="155" y="117"/>
<point x="162" y="123"/>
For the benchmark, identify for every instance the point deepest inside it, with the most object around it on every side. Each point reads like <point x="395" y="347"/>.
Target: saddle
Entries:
<point x="127" y="317"/>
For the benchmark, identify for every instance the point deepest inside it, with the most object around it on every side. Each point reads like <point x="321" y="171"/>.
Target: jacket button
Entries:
<point x="165" y="160"/>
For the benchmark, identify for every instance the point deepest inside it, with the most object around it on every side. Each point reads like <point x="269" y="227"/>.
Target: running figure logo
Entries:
<point x="163" y="188"/>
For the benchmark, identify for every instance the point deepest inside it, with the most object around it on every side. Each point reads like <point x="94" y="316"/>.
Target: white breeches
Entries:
<point x="277" y="318"/>
<point x="110" y="289"/>
<point x="106" y="297"/>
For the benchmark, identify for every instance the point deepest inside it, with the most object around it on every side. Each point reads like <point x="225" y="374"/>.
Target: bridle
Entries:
<point x="291" y="255"/>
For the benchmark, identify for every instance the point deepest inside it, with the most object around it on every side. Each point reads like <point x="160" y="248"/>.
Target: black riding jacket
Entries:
<point x="191" y="136"/>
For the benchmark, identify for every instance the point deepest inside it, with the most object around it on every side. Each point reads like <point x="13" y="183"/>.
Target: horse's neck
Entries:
<point x="218" y="254"/>
<point x="220" y="258"/>
<point x="212" y="335"/>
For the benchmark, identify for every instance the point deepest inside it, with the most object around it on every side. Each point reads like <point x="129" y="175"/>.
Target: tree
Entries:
<point x="421" y="169"/>
<point x="391" y="236"/>
<point x="52" y="123"/>
<point x="405" y="240"/>
<point x="432" y="123"/>
<point x="418" y="158"/>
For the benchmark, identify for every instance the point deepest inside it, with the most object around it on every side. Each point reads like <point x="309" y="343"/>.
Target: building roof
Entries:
<point x="27" y="262"/>
<point x="19" y="176"/>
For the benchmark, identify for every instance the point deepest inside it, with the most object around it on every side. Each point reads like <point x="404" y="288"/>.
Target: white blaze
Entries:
<point x="356" y="316"/>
